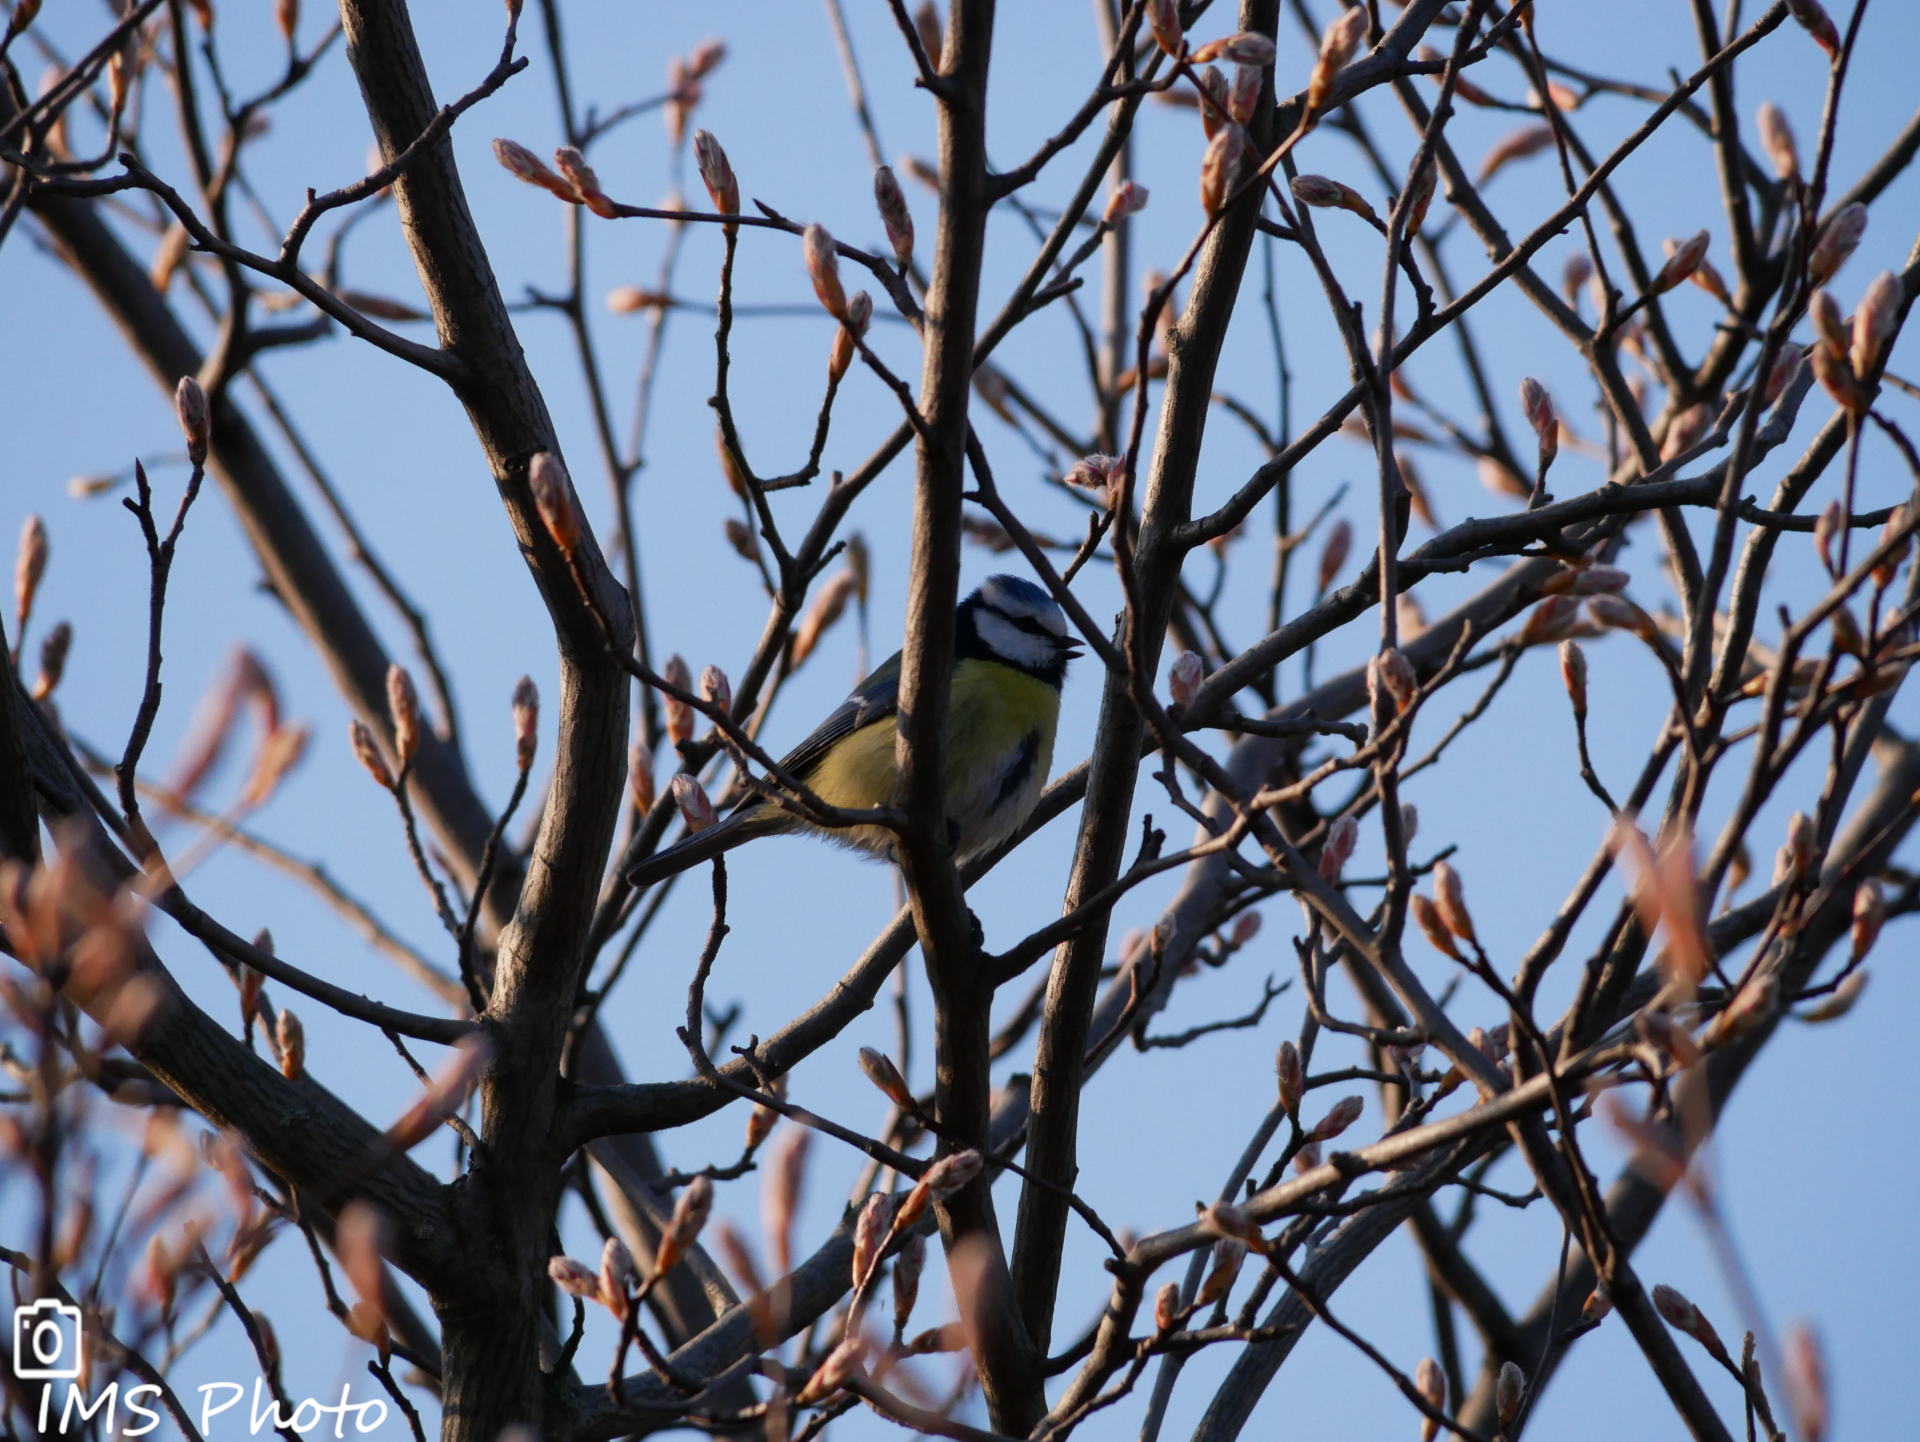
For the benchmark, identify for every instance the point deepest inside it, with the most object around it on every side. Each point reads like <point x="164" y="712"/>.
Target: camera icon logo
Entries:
<point x="46" y="1341"/>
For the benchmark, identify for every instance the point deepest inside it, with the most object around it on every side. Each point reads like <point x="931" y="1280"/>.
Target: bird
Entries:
<point x="1011" y="649"/>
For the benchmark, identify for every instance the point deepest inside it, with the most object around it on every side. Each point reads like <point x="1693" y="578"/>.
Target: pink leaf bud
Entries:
<point x="716" y="173"/>
<point x="53" y="660"/>
<point x="1420" y="195"/>
<point x="1869" y="915"/>
<point x="842" y="1362"/>
<point x="1703" y="274"/>
<point x="1431" y="1383"/>
<point x="1245" y="927"/>
<point x="1805" y="1370"/>
<point x="870" y="1234"/>
<point x="1825" y="528"/>
<point x="679" y="713"/>
<point x="1776" y="138"/>
<point x="1245" y="48"/>
<point x="1184" y="676"/>
<point x="894" y="214"/>
<point x="1166" y="1307"/>
<point x="1684" y="259"/>
<point x="908" y="1263"/>
<point x="1163" y="19"/>
<point x="1342" y="836"/>
<point x="1588" y="581"/>
<point x="1427" y="917"/>
<point x="403" y="709"/>
<point x="1830" y="331"/>
<point x="951" y="1173"/>
<point x="1508" y="1391"/>
<point x="1785" y="366"/>
<point x="1620" y="614"/>
<point x="617" y="1271"/>
<point x="553" y="498"/>
<point x="1874" y="321"/>
<point x="293" y="1044"/>
<point x="573" y="166"/>
<point x="574" y="1277"/>
<point x="1409" y="821"/>
<point x="190" y="405"/>
<point x="1333" y="555"/>
<point x="1538" y="406"/>
<point x="823" y="268"/>
<point x="1841" y="1001"/>
<point x="926" y="25"/>
<point x="1129" y="199"/>
<point x="1835" y="374"/>
<point x="1573" y="672"/>
<point x="1338" y="42"/>
<point x="640" y="777"/>
<point x="1220" y="166"/>
<point x="1345" y="1113"/>
<point x="1228" y="1254"/>
<point x="526" y="722"/>
<point x="1574" y="274"/>
<point x="1816" y="22"/>
<point x="1515" y="145"/>
<point x="367" y="751"/>
<point x="884" y="1074"/>
<point x="1552" y="620"/>
<point x="714" y="687"/>
<point x="1323" y="193"/>
<point x="30" y="564"/>
<point x="1838" y="239"/>
<point x="1292" y="1083"/>
<point x="1095" y="473"/>
<point x="695" y="807"/>
<point x="1243" y="93"/>
<point x="1391" y="671"/>
<point x="1450" y="897"/>
<point x="706" y="57"/>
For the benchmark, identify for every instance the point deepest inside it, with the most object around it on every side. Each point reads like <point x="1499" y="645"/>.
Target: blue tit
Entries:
<point x="1011" y="649"/>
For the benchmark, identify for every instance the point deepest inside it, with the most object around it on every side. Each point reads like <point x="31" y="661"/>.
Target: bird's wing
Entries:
<point x="875" y="699"/>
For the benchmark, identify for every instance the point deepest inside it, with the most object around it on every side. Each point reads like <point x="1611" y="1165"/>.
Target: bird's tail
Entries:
<point x="743" y="825"/>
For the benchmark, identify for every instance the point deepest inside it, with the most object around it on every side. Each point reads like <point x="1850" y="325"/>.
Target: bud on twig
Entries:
<point x="679" y="713"/>
<point x="1184" y="676"/>
<point x="190" y="405"/>
<point x="640" y="777"/>
<point x="870" y="1235"/>
<point x="1166" y="1307"/>
<point x="30" y="564"/>
<point x="714" y="687"/>
<point x="1683" y="1316"/>
<point x="524" y="165"/>
<point x="696" y="809"/>
<point x="1816" y="22"/>
<point x="842" y="1362"/>
<point x="575" y="1278"/>
<point x="1337" y="44"/>
<point x="1825" y="528"/>
<point x="1220" y="166"/>
<point x="553" y="497"/>
<point x="1395" y="672"/>
<point x="1427" y="917"/>
<point x="1323" y="193"/>
<point x="1342" y="837"/>
<point x="1508" y="1391"/>
<point x="1245" y="48"/>
<point x="1333" y="555"/>
<point x="1805" y="1373"/>
<point x="1431" y="1383"/>
<point x="1573" y="671"/>
<point x="716" y="173"/>
<point x="1163" y="19"/>
<point x="884" y="1074"/>
<point x="1702" y="275"/>
<point x="526" y="722"/>
<point x="293" y="1044"/>
<point x="1681" y="263"/>
<point x="908" y="1263"/>
<point x="53" y="660"/>
<point x="823" y="268"/>
<point x="1874" y="322"/>
<point x="403" y="709"/>
<point x="1838" y="239"/>
<point x="1538" y="407"/>
<point x="1129" y="199"/>
<point x="1869" y="915"/>
<point x="1345" y="1113"/>
<point x="367" y="751"/>
<point x="1776" y="138"/>
<point x="894" y="214"/>
<point x="1451" y="900"/>
<point x="1228" y="1254"/>
<point x="690" y="1212"/>
<point x="1292" y="1083"/>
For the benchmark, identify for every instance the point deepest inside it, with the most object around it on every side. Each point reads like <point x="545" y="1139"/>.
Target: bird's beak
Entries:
<point x="1070" y="650"/>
